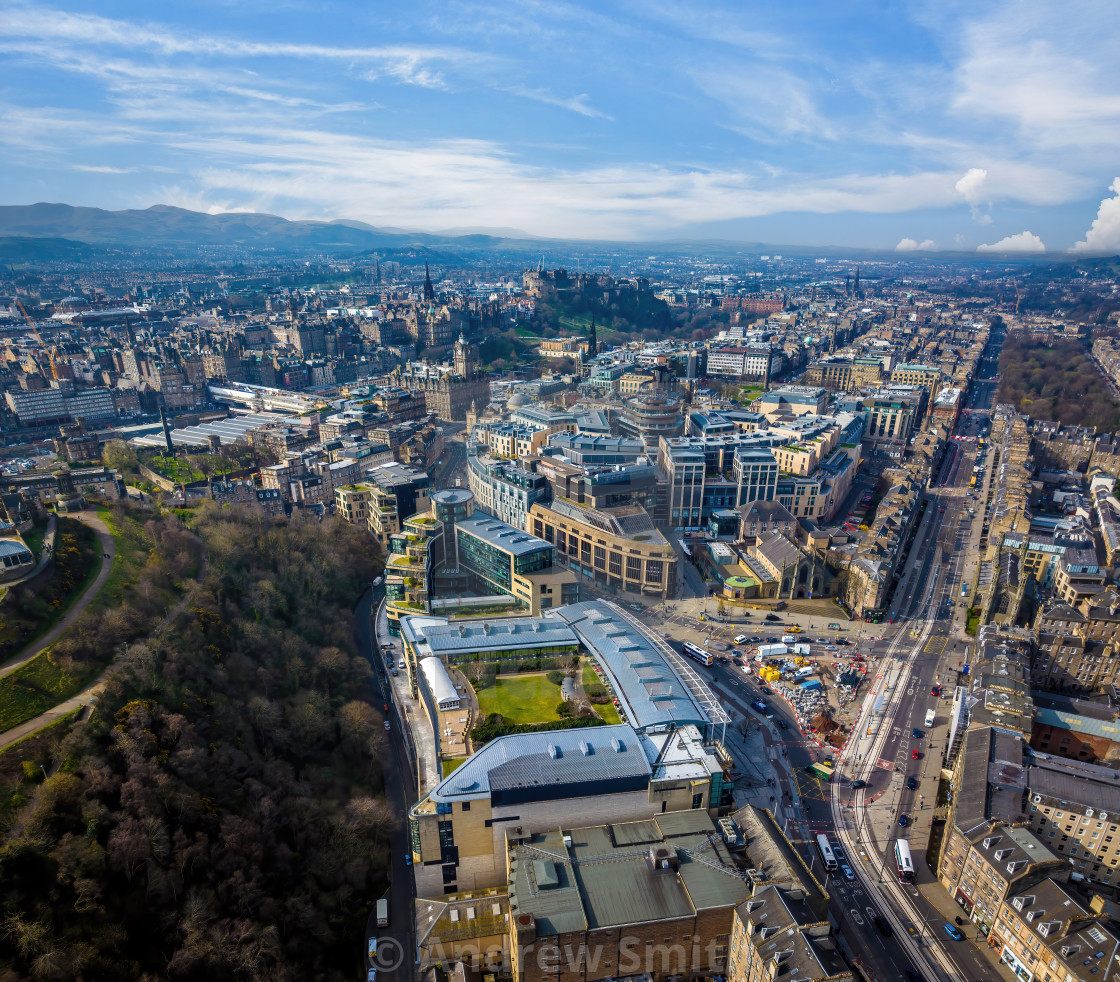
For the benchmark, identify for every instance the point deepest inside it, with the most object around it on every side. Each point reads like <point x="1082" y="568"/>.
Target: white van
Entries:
<point x="740" y="638"/>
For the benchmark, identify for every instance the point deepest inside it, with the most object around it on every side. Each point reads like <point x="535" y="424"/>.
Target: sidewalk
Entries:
<point x="108" y="551"/>
<point x="420" y="739"/>
<point x="947" y="912"/>
<point x="88" y="695"/>
<point x="46" y="554"/>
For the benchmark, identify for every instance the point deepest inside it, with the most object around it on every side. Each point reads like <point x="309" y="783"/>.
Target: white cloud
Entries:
<point x="774" y="101"/>
<point x="1047" y="69"/>
<point x="410" y="64"/>
<point x="103" y="169"/>
<point x="1104" y="234"/>
<point x="577" y="104"/>
<point x="913" y="245"/>
<point x="970" y="186"/>
<point x="1020" y="242"/>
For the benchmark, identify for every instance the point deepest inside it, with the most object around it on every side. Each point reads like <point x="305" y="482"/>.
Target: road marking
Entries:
<point x="887" y="765"/>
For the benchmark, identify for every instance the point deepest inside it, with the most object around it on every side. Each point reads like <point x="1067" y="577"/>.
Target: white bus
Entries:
<point x="903" y="862"/>
<point x="828" y="857"/>
<point x="696" y="653"/>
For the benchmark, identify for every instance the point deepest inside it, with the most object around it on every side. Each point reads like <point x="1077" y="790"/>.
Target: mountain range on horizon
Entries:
<point x="172" y="227"/>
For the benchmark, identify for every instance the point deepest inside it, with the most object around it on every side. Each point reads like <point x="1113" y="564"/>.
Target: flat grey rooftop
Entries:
<point x="553" y="764"/>
<point x="604" y="876"/>
<point x="454" y="641"/>
<point x="498" y="533"/>
<point x="1079" y="783"/>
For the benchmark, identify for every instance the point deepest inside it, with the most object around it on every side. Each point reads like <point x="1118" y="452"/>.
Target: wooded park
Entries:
<point x="220" y="815"/>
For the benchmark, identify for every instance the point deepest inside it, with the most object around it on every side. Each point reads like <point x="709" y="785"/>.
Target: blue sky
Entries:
<point x="926" y="125"/>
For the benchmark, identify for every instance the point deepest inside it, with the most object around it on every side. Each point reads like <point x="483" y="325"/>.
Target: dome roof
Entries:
<point x="518" y="399"/>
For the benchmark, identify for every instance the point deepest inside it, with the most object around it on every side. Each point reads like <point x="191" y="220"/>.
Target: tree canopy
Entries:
<point x="1058" y="381"/>
<point x="220" y="815"/>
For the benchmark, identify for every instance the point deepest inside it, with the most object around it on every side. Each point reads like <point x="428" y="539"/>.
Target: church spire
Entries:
<point x="429" y="290"/>
<point x="592" y="345"/>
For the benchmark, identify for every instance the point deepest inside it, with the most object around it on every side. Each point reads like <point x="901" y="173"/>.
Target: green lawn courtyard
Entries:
<point x="521" y="699"/>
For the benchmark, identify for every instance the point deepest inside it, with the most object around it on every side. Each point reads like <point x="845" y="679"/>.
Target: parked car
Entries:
<point x="915" y="755"/>
<point x="953" y="932"/>
<point x="371" y="975"/>
<point x="917" y="734"/>
<point x="911" y="783"/>
<point x="372" y="947"/>
<point x="903" y="821"/>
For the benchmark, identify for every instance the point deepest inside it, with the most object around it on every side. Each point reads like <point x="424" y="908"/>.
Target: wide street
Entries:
<point x="396" y="947"/>
<point x="921" y="644"/>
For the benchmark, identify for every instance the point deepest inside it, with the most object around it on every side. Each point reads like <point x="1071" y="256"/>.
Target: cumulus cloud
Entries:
<point x="1104" y="234"/>
<point x="1021" y="242"/>
<point x="971" y="188"/>
<point x="913" y="245"/>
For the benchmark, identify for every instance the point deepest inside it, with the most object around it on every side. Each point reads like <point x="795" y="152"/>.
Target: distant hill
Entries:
<point x="169" y="227"/>
<point x="21" y="248"/>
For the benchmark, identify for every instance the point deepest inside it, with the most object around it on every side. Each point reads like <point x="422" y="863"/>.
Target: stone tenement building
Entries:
<point x="449" y="390"/>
